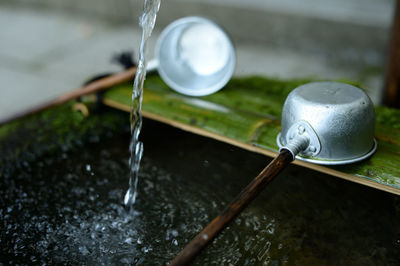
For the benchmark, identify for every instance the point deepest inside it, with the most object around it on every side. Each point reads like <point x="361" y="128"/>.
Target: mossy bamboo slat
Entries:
<point x="247" y="112"/>
<point x="92" y="87"/>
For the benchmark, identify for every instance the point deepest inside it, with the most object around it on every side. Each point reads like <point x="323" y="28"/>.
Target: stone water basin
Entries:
<point x="63" y="177"/>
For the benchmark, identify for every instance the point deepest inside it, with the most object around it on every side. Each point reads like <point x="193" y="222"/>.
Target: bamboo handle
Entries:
<point x="252" y="190"/>
<point x="92" y="87"/>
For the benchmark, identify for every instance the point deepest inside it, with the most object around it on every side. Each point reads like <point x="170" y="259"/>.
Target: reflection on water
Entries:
<point x="68" y="209"/>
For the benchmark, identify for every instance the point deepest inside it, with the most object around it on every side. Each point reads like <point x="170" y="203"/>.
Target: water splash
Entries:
<point x="147" y="22"/>
<point x="62" y="209"/>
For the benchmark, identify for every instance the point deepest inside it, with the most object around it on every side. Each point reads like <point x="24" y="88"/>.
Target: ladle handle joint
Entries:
<point x="302" y="139"/>
<point x="297" y="145"/>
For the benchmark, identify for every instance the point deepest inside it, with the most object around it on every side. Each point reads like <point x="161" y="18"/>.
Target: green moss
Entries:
<point x="388" y="116"/>
<point x="258" y="95"/>
<point x="249" y="110"/>
<point x="370" y="71"/>
<point x="271" y="86"/>
<point x="58" y="129"/>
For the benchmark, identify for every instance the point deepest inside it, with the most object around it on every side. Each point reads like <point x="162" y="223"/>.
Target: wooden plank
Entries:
<point x="246" y="113"/>
<point x="392" y="83"/>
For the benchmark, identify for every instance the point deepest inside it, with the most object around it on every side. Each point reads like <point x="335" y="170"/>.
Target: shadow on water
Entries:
<point x="68" y="209"/>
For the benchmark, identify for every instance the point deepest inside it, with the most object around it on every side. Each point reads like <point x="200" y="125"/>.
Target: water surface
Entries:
<point x="68" y="209"/>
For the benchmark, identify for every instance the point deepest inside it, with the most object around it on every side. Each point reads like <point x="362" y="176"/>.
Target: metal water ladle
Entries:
<point x="194" y="56"/>
<point x="326" y="123"/>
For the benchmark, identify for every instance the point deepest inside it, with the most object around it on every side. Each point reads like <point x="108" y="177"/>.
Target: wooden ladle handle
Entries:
<point x="93" y="87"/>
<point x="252" y="190"/>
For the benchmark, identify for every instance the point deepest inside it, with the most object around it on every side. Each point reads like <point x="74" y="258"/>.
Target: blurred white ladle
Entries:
<point x="194" y="56"/>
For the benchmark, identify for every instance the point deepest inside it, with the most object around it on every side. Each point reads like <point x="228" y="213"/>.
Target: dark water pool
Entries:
<point x="67" y="209"/>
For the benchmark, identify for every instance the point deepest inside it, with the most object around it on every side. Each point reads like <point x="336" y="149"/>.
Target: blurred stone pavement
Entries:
<point x="50" y="47"/>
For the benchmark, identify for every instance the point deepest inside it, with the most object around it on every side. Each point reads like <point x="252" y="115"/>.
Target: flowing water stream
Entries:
<point x="147" y="22"/>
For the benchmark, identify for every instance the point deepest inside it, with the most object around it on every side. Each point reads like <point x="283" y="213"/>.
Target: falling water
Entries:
<point x="147" y="22"/>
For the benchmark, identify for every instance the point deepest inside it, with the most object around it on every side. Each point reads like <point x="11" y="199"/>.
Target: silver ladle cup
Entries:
<point x="328" y="123"/>
<point x="323" y="123"/>
<point x="194" y="56"/>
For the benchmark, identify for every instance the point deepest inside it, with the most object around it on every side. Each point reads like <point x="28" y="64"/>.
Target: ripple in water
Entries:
<point x="68" y="209"/>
